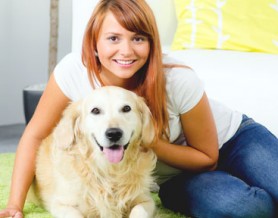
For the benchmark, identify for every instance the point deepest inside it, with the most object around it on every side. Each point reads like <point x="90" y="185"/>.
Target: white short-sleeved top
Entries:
<point x="184" y="90"/>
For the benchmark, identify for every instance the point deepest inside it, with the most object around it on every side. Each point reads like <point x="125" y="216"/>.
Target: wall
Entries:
<point x="24" y="35"/>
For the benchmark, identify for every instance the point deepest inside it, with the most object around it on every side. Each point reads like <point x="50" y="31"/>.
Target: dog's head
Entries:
<point x="111" y="118"/>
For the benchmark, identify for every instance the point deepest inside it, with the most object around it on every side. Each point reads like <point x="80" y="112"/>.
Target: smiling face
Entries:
<point x="121" y="53"/>
<point x="110" y="124"/>
<point x="112" y="121"/>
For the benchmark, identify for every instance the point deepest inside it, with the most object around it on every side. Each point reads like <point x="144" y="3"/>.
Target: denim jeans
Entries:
<point x="245" y="183"/>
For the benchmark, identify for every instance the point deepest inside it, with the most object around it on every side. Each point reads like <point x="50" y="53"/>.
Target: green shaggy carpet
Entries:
<point x="33" y="211"/>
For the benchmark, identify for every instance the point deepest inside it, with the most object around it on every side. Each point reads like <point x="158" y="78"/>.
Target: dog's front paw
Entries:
<point x="139" y="212"/>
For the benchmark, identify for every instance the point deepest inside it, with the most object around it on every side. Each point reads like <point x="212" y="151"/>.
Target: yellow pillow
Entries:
<point x="243" y="25"/>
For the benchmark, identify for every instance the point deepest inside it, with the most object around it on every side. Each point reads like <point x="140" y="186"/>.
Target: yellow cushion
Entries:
<point x="243" y="25"/>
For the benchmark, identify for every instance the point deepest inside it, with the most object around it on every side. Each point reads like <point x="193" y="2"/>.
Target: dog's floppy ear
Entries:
<point x="148" y="132"/>
<point x="67" y="129"/>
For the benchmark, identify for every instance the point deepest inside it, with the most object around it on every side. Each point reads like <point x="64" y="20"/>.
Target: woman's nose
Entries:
<point x="126" y="48"/>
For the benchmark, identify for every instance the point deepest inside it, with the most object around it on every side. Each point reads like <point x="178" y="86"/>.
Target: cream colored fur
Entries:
<point x="73" y="176"/>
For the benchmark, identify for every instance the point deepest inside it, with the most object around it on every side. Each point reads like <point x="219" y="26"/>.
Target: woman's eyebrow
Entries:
<point x="119" y="34"/>
<point x="112" y="33"/>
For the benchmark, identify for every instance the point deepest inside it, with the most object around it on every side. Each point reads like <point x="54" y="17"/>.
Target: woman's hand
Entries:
<point x="11" y="212"/>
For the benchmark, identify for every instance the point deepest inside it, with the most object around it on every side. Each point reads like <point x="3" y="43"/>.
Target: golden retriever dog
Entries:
<point x="96" y="162"/>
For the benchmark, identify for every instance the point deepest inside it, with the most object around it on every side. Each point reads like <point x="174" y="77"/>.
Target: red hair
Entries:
<point x="135" y="16"/>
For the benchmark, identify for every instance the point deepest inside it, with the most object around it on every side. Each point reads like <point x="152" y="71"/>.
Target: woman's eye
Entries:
<point x="95" y="111"/>
<point x="113" y="38"/>
<point x="126" y="108"/>
<point x="139" y="39"/>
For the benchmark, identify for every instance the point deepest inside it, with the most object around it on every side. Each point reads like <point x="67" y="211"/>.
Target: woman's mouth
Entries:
<point x="124" y="62"/>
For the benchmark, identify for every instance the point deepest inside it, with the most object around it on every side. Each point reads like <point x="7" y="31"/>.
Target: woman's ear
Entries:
<point x="68" y="128"/>
<point x="148" y="131"/>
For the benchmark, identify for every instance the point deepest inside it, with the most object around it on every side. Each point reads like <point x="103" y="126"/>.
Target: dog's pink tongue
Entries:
<point x="114" y="155"/>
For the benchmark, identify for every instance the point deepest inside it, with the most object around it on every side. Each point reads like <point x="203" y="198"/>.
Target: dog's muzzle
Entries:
<point x="115" y="151"/>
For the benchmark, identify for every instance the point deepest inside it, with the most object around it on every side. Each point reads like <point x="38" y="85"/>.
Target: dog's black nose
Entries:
<point x="114" y="134"/>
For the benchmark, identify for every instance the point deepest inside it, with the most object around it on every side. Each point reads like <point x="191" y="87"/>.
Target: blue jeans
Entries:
<point x="245" y="183"/>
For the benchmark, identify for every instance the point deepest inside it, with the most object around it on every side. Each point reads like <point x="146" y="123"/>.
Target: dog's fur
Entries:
<point x="74" y="176"/>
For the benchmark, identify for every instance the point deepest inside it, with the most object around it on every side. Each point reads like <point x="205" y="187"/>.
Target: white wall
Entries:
<point x="24" y="35"/>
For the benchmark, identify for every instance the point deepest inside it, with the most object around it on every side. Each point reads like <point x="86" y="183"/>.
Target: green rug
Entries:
<point x="33" y="211"/>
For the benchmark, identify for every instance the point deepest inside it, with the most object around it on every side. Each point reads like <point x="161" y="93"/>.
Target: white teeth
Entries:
<point x="124" y="62"/>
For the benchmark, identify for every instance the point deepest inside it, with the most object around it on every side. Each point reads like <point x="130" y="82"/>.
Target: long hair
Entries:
<point x="135" y="16"/>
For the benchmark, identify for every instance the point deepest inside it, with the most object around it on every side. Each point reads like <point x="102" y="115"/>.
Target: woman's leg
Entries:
<point x="252" y="155"/>
<point x="245" y="184"/>
<point x="215" y="194"/>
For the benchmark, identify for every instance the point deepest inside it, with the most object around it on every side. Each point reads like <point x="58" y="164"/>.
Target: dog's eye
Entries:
<point x="95" y="111"/>
<point x="126" y="108"/>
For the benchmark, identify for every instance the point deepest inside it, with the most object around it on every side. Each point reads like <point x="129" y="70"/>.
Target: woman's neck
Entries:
<point x="112" y="80"/>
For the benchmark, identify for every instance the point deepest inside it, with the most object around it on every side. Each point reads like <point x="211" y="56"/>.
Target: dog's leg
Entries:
<point x="145" y="209"/>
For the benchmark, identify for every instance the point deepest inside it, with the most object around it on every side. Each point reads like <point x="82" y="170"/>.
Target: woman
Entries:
<point x="213" y="162"/>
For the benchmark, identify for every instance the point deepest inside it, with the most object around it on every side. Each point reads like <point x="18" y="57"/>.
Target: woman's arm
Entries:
<point x="201" y="154"/>
<point x="47" y="114"/>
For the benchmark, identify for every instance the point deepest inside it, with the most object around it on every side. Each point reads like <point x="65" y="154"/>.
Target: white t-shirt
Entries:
<point x="184" y="90"/>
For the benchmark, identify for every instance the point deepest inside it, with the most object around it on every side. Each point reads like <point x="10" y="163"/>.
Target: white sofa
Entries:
<point x="244" y="81"/>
